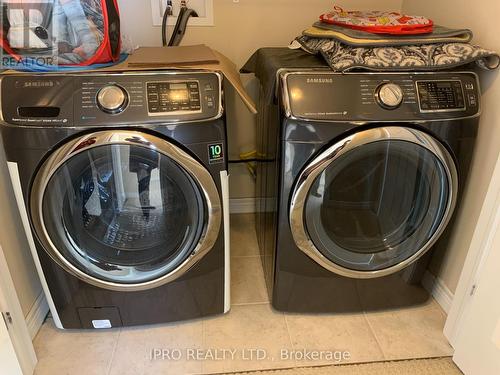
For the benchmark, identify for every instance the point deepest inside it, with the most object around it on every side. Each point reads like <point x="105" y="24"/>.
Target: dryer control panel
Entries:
<point x="328" y="96"/>
<point x="441" y="96"/>
<point x="111" y="99"/>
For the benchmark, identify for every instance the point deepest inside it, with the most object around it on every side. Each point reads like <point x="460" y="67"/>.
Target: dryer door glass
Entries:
<point x="123" y="213"/>
<point x="377" y="205"/>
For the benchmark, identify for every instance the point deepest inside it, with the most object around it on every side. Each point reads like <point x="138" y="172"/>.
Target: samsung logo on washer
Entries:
<point x="34" y="84"/>
<point x="319" y="80"/>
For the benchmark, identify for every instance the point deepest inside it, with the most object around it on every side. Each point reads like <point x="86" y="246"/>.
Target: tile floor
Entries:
<point x="252" y="324"/>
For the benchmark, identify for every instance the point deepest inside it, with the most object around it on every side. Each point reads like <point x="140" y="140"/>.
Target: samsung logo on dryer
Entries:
<point x="319" y="80"/>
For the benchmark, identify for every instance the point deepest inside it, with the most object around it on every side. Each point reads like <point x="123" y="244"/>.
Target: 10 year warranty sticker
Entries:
<point x="215" y="153"/>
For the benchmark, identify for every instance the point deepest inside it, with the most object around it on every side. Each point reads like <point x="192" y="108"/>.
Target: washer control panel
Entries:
<point x="111" y="98"/>
<point x="174" y="97"/>
<point x="440" y="96"/>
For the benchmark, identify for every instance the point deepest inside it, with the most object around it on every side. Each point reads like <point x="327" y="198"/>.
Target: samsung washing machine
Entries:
<point x="362" y="176"/>
<point x="121" y="180"/>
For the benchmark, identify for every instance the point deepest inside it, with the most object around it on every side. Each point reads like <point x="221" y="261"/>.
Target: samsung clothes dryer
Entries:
<point x="121" y="179"/>
<point x="363" y="175"/>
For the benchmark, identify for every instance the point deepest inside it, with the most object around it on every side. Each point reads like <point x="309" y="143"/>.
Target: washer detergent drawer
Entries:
<point x="29" y="100"/>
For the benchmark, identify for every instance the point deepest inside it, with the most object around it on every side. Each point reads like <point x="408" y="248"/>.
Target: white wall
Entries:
<point x="482" y="18"/>
<point x="240" y="28"/>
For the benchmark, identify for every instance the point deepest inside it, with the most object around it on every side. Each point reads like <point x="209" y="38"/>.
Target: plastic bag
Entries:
<point x="61" y="32"/>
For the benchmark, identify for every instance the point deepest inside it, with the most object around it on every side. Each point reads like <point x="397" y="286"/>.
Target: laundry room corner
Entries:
<point x="447" y="266"/>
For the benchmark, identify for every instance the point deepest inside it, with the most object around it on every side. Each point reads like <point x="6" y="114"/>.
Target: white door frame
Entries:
<point x="479" y="249"/>
<point x="17" y="327"/>
<point x="9" y="363"/>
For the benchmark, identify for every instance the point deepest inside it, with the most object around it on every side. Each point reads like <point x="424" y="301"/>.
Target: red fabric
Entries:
<point x="4" y="44"/>
<point x="379" y="22"/>
<point x="396" y="30"/>
<point x="104" y="53"/>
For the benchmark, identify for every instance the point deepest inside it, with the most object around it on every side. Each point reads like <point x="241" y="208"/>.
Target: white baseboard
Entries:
<point x="242" y="205"/>
<point x="37" y="314"/>
<point x="436" y="287"/>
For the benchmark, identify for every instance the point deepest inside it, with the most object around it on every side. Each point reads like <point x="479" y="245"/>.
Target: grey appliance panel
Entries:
<point x="70" y="100"/>
<point x="328" y="96"/>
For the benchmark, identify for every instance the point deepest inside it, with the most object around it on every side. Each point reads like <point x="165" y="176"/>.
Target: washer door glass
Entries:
<point x="123" y="213"/>
<point x="377" y="205"/>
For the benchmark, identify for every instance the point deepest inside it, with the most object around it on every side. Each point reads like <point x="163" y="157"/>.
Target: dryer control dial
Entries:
<point x="389" y="95"/>
<point x="112" y="99"/>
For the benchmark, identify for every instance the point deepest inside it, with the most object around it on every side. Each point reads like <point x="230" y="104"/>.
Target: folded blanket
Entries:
<point x="359" y="38"/>
<point x="342" y="57"/>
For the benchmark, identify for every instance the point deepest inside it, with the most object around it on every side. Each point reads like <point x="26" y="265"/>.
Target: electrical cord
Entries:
<point x="181" y="25"/>
<point x="179" y="28"/>
<point x="176" y="27"/>
<point x="164" y="27"/>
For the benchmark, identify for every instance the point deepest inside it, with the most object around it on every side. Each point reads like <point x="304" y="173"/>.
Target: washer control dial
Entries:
<point x="389" y="95"/>
<point x="112" y="99"/>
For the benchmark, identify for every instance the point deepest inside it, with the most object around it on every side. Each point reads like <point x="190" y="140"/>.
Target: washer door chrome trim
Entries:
<point x="326" y="158"/>
<point x="124" y="137"/>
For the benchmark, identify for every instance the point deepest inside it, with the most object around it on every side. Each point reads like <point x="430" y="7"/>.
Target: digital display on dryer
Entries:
<point x="440" y="96"/>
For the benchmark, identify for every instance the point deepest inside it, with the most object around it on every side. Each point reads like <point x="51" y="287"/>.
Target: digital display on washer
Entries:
<point x="171" y="97"/>
<point x="440" y="96"/>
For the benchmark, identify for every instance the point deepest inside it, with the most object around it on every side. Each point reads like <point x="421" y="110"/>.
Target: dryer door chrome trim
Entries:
<point x="196" y="170"/>
<point x="320" y="163"/>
